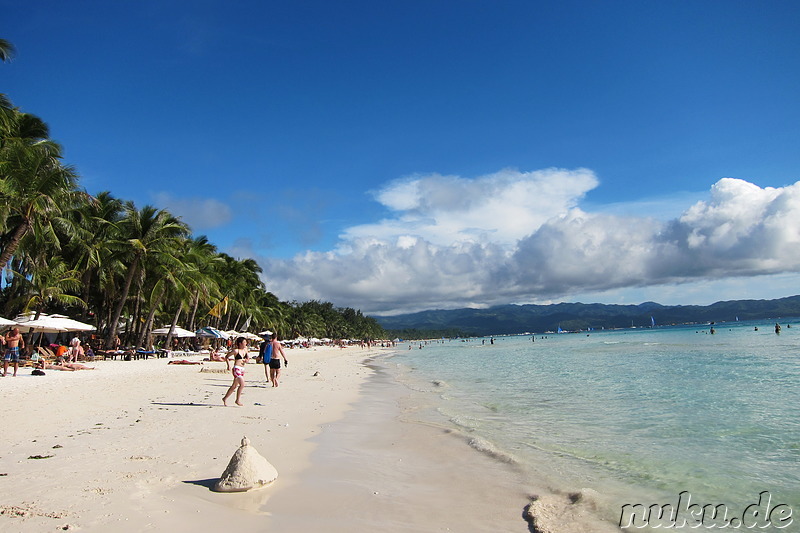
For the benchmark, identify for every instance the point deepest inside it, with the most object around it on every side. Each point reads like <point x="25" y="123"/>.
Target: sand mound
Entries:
<point x="246" y="470"/>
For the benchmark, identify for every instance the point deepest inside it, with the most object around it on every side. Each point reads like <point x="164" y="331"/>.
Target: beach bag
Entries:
<point x="268" y="352"/>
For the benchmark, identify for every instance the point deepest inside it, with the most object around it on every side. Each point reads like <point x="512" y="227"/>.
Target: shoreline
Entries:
<point x="374" y="471"/>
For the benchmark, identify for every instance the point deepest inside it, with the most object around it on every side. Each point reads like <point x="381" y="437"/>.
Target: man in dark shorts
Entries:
<point x="13" y="341"/>
<point x="265" y="351"/>
<point x="275" y="360"/>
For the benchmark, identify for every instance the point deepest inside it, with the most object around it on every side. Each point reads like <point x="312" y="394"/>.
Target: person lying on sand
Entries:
<point x="216" y="355"/>
<point x="184" y="362"/>
<point x="60" y="365"/>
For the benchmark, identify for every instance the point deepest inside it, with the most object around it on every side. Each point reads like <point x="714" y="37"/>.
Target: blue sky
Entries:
<point x="395" y="156"/>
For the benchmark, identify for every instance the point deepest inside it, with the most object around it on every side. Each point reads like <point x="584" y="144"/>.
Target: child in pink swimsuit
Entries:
<point x="240" y="357"/>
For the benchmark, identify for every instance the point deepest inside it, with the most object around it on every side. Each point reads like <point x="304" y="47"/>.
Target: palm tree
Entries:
<point x="7" y="50"/>
<point x="34" y="187"/>
<point x="92" y="225"/>
<point x="164" y="273"/>
<point x="202" y="257"/>
<point x="51" y="282"/>
<point x="144" y="232"/>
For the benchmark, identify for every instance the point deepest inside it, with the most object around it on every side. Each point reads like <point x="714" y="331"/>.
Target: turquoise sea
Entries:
<point x="637" y="415"/>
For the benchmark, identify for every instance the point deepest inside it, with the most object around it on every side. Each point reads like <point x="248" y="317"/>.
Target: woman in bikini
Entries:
<point x="240" y="356"/>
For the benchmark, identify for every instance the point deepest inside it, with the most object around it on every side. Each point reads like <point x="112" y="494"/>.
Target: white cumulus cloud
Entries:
<point x="522" y="236"/>
<point x="500" y="208"/>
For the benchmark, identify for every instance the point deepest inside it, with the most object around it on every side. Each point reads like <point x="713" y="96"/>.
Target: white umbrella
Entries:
<point x="176" y="332"/>
<point x="265" y="332"/>
<point x="73" y="325"/>
<point x="6" y="322"/>
<point x="43" y="325"/>
<point x="51" y="323"/>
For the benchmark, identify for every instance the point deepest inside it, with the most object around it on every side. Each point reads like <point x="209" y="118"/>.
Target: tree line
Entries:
<point x="126" y="269"/>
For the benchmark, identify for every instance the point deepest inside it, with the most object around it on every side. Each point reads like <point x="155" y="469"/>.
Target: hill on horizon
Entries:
<point x="513" y="319"/>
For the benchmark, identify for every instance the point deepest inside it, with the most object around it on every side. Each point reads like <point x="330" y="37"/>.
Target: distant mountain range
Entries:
<point x="510" y="319"/>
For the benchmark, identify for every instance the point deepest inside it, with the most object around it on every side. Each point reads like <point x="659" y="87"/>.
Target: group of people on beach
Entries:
<point x="66" y="358"/>
<point x="270" y="353"/>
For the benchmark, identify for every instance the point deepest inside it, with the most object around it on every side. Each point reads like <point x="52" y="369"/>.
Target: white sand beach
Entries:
<point x="137" y="446"/>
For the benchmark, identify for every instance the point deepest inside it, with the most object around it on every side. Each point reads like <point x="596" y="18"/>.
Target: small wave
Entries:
<point x="463" y="422"/>
<point x="491" y="450"/>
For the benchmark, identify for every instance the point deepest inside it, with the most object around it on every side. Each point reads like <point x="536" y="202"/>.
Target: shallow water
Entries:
<point x="637" y="415"/>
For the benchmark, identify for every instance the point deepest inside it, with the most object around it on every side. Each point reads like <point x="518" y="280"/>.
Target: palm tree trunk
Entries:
<point x="168" y="342"/>
<point x="149" y="322"/>
<point x="136" y="315"/>
<point x="112" y="326"/>
<point x="194" y="311"/>
<point x="86" y="279"/>
<point x="13" y="243"/>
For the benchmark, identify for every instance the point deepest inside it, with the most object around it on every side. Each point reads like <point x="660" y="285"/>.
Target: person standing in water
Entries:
<point x="240" y="356"/>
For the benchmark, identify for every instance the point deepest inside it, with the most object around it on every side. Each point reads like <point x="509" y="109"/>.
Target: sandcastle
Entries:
<point x="246" y="470"/>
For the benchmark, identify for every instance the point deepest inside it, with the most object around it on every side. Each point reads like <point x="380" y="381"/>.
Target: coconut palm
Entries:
<point x="7" y="50"/>
<point x="202" y="257"/>
<point x="145" y="232"/>
<point x="50" y="283"/>
<point x="93" y="226"/>
<point x="34" y="189"/>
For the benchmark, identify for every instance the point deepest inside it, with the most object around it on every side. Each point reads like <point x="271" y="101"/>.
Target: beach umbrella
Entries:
<point x="72" y="325"/>
<point x="6" y="322"/>
<point x="42" y="325"/>
<point x="210" y="333"/>
<point x="265" y="333"/>
<point x="51" y="323"/>
<point x="176" y="332"/>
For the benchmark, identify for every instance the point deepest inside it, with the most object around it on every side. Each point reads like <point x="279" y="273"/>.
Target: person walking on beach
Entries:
<point x="275" y="360"/>
<point x="266" y="356"/>
<point x="240" y="356"/>
<point x="13" y="341"/>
